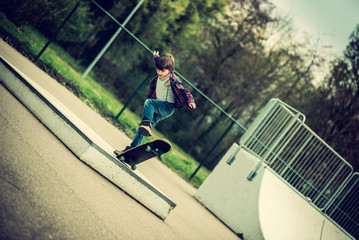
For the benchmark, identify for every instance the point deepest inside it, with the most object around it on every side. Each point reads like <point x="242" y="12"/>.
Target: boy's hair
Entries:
<point x="165" y="61"/>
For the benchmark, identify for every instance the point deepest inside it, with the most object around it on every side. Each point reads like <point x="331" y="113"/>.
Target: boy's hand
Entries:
<point x="156" y="53"/>
<point x="192" y="105"/>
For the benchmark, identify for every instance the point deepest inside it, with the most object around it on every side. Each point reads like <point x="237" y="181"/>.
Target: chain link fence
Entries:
<point x="205" y="133"/>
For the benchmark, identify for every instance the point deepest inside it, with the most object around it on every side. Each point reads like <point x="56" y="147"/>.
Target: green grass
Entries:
<point x="66" y="70"/>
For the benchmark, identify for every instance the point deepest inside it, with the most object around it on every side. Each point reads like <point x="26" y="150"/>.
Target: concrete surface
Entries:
<point x="47" y="193"/>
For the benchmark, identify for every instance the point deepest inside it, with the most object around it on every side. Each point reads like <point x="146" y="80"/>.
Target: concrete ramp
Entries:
<point x="82" y="141"/>
<point x="264" y="208"/>
<point x="283" y="214"/>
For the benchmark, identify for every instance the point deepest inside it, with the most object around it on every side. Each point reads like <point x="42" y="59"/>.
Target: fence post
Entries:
<point x="212" y="150"/>
<point x="134" y="94"/>
<point x="108" y="44"/>
<point x="58" y="30"/>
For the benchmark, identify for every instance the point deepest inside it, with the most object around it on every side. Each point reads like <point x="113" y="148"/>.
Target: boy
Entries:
<point x="165" y="95"/>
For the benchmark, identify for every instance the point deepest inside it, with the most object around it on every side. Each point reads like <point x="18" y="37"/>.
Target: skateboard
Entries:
<point x="143" y="152"/>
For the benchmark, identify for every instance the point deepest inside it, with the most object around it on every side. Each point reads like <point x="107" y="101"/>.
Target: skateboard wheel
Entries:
<point x="134" y="167"/>
<point x="122" y="158"/>
<point x="148" y="148"/>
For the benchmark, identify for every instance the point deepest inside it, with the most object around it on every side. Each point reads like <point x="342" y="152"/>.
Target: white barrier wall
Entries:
<point x="231" y="197"/>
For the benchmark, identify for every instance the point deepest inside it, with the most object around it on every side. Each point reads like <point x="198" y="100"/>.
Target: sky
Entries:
<point x="332" y="20"/>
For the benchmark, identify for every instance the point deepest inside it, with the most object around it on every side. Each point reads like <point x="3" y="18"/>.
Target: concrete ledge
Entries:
<point x="81" y="140"/>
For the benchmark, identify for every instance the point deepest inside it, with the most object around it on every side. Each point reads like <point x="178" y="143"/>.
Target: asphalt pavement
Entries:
<point x="48" y="193"/>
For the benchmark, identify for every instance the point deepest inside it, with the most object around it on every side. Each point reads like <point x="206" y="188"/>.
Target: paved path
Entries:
<point x="47" y="193"/>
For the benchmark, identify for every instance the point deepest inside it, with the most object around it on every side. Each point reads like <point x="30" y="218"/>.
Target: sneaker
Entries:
<point x="146" y="128"/>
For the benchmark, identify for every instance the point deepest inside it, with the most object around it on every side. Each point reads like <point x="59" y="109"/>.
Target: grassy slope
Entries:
<point x="62" y="66"/>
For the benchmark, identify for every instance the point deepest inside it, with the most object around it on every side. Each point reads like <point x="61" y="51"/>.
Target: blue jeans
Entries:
<point x="153" y="110"/>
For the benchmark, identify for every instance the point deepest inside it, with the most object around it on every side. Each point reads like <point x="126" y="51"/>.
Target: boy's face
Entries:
<point x="163" y="74"/>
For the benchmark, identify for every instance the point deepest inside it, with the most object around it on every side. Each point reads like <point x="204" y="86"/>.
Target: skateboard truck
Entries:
<point x="129" y="161"/>
<point x="143" y="152"/>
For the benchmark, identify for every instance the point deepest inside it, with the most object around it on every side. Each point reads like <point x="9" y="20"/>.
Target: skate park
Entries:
<point x="271" y="208"/>
<point x="256" y="191"/>
<point x="71" y="198"/>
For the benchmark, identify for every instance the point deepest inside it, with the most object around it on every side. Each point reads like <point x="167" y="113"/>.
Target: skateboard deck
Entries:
<point x="143" y="152"/>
